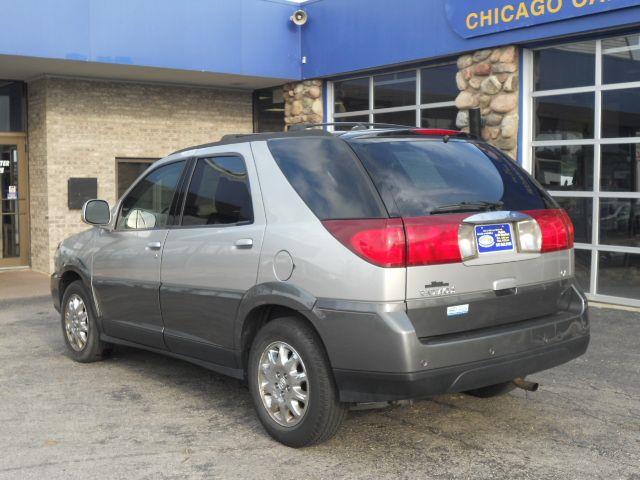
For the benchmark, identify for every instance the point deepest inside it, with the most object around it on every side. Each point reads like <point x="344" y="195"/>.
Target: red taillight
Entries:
<point x="433" y="240"/>
<point x="556" y="227"/>
<point x="435" y="131"/>
<point x="378" y="241"/>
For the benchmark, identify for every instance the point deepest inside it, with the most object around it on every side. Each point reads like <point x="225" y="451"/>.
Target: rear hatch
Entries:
<point x="484" y="244"/>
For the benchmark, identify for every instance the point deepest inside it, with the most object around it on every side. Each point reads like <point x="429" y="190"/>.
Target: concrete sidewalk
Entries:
<point x="23" y="284"/>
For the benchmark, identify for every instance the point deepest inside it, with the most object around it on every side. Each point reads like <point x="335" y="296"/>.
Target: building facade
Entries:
<point x="84" y="111"/>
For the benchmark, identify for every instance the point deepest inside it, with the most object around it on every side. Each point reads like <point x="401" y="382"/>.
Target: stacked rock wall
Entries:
<point x="489" y="79"/>
<point x="303" y="102"/>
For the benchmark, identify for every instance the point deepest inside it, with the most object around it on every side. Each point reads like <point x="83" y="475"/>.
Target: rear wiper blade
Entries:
<point x="467" y="207"/>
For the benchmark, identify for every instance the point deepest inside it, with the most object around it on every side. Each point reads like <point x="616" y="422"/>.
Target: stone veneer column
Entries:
<point x="303" y="102"/>
<point x="489" y="79"/>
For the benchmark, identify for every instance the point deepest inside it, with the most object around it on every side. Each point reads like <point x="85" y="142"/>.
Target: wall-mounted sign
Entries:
<point x="483" y="17"/>
<point x="4" y="163"/>
<point x="12" y="193"/>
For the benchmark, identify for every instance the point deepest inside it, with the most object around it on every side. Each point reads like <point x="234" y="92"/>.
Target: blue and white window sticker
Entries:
<point x="494" y="238"/>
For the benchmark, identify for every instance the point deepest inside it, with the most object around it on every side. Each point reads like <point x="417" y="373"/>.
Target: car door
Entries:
<point x="126" y="264"/>
<point x="211" y="259"/>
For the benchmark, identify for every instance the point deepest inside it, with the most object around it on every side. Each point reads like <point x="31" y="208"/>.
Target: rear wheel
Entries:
<point x="292" y="385"/>
<point x="79" y="327"/>
<point x="492" y="390"/>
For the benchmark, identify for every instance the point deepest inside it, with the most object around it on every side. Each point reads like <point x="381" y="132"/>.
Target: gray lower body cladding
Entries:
<point x="363" y="387"/>
<point x="378" y="355"/>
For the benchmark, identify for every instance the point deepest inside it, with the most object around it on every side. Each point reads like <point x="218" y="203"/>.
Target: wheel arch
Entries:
<point x="70" y="274"/>
<point x="266" y="302"/>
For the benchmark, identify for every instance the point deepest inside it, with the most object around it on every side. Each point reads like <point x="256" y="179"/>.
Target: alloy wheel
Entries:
<point x="282" y="384"/>
<point x="76" y="322"/>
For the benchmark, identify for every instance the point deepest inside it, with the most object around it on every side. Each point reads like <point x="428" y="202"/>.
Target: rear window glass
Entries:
<point x="422" y="175"/>
<point x="328" y="177"/>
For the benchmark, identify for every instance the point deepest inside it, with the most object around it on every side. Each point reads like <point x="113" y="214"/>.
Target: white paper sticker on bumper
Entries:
<point x="457" y="310"/>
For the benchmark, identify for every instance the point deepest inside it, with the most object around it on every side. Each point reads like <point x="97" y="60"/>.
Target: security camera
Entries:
<point x="299" y="17"/>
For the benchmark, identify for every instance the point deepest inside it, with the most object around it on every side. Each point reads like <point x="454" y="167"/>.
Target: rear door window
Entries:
<point x="328" y="177"/>
<point x="421" y="175"/>
<point x="218" y="193"/>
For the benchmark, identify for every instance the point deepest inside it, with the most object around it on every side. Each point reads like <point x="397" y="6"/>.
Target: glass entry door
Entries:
<point x="14" y="200"/>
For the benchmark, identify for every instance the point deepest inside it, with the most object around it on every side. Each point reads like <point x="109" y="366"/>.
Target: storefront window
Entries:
<point x="12" y="106"/>
<point x="585" y="150"/>
<point x="268" y="110"/>
<point x="128" y="170"/>
<point x="417" y="97"/>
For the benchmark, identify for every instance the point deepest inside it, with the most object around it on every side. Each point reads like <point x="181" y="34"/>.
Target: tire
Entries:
<point x="81" y="334"/>
<point x="320" y="413"/>
<point x="492" y="390"/>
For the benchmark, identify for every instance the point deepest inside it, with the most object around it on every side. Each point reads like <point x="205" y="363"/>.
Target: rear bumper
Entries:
<point x="377" y="354"/>
<point x="362" y="387"/>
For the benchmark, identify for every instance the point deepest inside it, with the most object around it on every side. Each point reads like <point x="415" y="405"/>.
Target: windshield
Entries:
<point x="419" y="177"/>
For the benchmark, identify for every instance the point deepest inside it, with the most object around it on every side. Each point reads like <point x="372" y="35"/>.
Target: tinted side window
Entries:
<point x="148" y="204"/>
<point x="328" y="177"/>
<point x="218" y="193"/>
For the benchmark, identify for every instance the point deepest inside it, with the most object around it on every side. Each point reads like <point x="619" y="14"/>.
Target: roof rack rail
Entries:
<point x="355" y="125"/>
<point x="233" y="136"/>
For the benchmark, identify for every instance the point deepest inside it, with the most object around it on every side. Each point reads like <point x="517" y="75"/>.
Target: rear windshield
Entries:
<point x="419" y="176"/>
<point x="328" y="177"/>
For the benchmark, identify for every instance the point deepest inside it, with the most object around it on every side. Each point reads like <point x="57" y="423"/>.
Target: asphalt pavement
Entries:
<point x="141" y="415"/>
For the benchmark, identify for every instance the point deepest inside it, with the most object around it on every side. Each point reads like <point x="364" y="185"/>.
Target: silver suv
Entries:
<point x="329" y="269"/>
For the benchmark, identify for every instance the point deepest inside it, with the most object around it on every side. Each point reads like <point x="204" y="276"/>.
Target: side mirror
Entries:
<point x="96" y="212"/>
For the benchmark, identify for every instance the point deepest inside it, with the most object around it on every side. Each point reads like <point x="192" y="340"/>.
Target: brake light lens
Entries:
<point x="441" y="132"/>
<point x="433" y="240"/>
<point x="378" y="241"/>
<point x="556" y="227"/>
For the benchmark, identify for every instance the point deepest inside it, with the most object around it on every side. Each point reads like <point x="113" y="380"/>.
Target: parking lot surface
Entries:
<point x="141" y="415"/>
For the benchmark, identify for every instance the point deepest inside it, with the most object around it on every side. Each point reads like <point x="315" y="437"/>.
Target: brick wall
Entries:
<point x="77" y="128"/>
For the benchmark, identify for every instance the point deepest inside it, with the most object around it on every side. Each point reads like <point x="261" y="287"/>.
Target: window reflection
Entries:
<point x="351" y="95"/>
<point x="621" y="59"/>
<point x="438" y="84"/>
<point x="565" y="66"/>
<point x="621" y="113"/>
<point x="407" y="117"/>
<point x="394" y="90"/>
<point x="565" y="167"/>
<point x="619" y="274"/>
<point x="583" y="268"/>
<point x="439" y="117"/>
<point x="620" y="170"/>
<point x="564" y="117"/>
<point x="580" y="211"/>
<point x="620" y="222"/>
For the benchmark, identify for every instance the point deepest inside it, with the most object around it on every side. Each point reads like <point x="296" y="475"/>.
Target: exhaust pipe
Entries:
<point x="526" y="385"/>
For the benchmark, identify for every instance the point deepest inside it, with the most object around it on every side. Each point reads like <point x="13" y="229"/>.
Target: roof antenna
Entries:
<point x="446" y="138"/>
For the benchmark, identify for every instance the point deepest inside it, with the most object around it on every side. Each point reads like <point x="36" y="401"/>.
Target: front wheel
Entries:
<point x="79" y="326"/>
<point x="292" y="385"/>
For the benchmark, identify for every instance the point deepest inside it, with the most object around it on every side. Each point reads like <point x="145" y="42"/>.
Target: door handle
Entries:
<point x="154" y="246"/>
<point x="244" y="243"/>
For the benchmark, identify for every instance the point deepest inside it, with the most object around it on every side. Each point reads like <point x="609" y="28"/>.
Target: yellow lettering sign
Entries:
<point x="522" y="11"/>
<point x="472" y="21"/>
